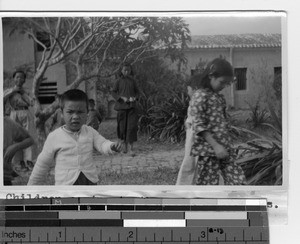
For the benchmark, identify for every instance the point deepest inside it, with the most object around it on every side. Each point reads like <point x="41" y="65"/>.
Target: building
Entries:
<point x="256" y="59"/>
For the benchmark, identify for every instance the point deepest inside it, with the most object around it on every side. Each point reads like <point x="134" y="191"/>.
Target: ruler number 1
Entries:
<point x="130" y="234"/>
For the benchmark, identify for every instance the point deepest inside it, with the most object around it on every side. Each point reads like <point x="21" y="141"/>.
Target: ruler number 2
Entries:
<point x="130" y="234"/>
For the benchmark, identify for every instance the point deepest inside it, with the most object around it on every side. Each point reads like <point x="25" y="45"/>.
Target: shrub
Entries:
<point x="261" y="158"/>
<point x="145" y="105"/>
<point x="258" y="115"/>
<point x="167" y="118"/>
<point x="102" y="111"/>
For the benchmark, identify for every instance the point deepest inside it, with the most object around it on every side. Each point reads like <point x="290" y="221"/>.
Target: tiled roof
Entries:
<point x="238" y="41"/>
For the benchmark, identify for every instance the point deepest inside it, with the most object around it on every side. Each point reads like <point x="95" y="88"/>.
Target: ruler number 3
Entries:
<point x="202" y="234"/>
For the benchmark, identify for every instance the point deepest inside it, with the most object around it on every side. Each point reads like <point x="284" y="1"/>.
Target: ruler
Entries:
<point x="134" y="221"/>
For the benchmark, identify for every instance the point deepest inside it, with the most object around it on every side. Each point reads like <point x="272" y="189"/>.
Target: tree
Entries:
<point x="97" y="46"/>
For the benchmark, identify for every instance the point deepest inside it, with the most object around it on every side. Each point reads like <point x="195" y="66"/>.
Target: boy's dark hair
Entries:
<point x="216" y="68"/>
<point x="19" y="71"/>
<point x="74" y="95"/>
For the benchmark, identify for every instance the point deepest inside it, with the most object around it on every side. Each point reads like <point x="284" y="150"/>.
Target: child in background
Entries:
<point x="212" y="141"/>
<point x="94" y="118"/>
<point x="186" y="174"/>
<point x="71" y="146"/>
<point x="15" y="138"/>
<point x="126" y="93"/>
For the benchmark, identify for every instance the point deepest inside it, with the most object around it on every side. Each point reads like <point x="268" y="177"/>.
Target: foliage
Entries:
<point x="91" y="45"/>
<point x="258" y="115"/>
<point x="269" y="88"/>
<point x="102" y="111"/>
<point x="167" y="118"/>
<point x="155" y="79"/>
<point x="145" y="105"/>
<point x="261" y="158"/>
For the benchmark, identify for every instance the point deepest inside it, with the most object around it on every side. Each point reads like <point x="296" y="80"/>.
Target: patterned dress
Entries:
<point x="208" y="113"/>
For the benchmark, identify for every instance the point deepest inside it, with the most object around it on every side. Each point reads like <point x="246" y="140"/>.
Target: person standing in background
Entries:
<point x="94" y="118"/>
<point x="126" y="92"/>
<point x="19" y="102"/>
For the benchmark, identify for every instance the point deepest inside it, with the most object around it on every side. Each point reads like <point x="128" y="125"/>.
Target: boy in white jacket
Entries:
<point x="71" y="146"/>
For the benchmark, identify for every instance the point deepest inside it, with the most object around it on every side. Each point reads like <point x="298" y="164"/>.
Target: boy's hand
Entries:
<point x="221" y="152"/>
<point x="116" y="146"/>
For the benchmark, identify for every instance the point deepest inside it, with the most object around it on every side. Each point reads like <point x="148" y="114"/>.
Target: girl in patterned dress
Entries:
<point x="212" y="140"/>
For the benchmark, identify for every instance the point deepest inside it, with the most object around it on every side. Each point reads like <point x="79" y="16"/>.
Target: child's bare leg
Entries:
<point x="132" y="153"/>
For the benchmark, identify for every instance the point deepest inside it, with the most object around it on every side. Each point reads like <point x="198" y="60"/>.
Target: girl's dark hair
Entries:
<point x="194" y="81"/>
<point x="74" y="95"/>
<point x="216" y="68"/>
<point x="126" y="65"/>
<point x="19" y="71"/>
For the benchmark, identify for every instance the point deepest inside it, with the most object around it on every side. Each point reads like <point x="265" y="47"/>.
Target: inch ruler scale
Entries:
<point x="134" y="221"/>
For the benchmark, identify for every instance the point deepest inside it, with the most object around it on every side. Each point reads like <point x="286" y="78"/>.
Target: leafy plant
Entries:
<point x="144" y="107"/>
<point x="167" y="119"/>
<point x="102" y="111"/>
<point x="261" y="158"/>
<point x="258" y="115"/>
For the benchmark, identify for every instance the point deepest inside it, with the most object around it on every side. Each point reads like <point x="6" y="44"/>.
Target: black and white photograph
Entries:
<point x="143" y="99"/>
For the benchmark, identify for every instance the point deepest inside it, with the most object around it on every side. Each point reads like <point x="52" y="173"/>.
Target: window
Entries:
<point x="47" y="92"/>
<point x="277" y="72"/>
<point x="43" y="38"/>
<point x="241" y="80"/>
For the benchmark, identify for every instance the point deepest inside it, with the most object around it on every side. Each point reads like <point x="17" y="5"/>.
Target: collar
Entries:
<point x="76" y="133"/>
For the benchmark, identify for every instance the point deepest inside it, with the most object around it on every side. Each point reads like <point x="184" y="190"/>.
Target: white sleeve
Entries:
<point x="43" y="163"/>
<point x="101" y="144"/>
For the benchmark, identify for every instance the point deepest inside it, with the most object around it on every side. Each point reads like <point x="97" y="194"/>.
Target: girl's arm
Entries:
<point x="9" y="92"/>
<point x="43" y="163"/>
<point x="220" y="151"/>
